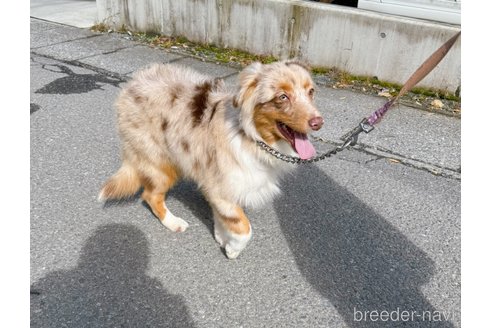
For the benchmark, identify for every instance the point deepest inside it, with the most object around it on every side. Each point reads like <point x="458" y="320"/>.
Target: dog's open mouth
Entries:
<point x="299" y="141"/>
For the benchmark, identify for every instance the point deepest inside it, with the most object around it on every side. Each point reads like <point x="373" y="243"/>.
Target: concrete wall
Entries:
<point x="354" y="40"/>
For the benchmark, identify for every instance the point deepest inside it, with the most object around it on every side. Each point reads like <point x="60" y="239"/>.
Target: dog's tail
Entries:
<point x="124" y="183"/>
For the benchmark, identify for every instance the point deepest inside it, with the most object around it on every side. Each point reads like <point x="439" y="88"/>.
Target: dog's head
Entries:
<point x="276" y="102"/>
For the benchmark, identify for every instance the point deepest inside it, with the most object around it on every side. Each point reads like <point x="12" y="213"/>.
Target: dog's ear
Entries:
<point x="248" y="79"/>
<point x="298" y="63"/>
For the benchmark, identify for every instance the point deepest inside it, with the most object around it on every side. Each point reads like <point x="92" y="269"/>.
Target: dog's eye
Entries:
<point x="283" y="97"/>
<point x="311" y="92"/>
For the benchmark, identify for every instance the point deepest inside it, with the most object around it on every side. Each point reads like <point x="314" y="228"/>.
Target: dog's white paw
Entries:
<point x="231" y="253"/>
<point x="233" y="243"/>
<point x="174" y="223"/>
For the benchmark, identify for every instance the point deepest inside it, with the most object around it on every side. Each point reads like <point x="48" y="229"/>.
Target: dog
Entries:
<point x="176" y="123"/>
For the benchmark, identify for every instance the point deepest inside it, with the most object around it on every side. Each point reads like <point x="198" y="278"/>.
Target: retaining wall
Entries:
<point x="354" y="40"/>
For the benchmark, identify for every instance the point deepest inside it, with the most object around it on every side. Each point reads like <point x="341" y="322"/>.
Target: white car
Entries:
<point x="447" y="11"/>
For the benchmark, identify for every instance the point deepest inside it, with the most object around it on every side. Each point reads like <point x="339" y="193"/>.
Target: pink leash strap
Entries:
<point x="367" y="124"/>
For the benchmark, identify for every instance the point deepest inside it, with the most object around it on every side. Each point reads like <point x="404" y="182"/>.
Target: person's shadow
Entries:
<point x="352" y="256"/>
<point x="108" y="288"/>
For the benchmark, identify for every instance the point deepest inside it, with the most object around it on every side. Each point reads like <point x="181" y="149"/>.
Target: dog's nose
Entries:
<point x="316" y="123"/>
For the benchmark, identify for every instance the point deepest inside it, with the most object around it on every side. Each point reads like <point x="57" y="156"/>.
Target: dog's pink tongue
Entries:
<point x="303" y="146"/>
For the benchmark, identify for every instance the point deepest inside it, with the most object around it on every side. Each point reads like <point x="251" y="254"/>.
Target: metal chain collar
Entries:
<point x="295" y="160"/>
<point x="350" y="140"/>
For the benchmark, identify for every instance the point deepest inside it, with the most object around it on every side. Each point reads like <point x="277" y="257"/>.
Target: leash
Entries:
<point x="367" y="124"/>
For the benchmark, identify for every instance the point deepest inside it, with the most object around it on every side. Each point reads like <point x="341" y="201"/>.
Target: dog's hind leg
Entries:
<point x="156" y="182"/>
<point x="231" y="227"/>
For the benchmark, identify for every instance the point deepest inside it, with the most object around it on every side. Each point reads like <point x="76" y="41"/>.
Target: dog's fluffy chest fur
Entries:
<point x="254" y="179"/>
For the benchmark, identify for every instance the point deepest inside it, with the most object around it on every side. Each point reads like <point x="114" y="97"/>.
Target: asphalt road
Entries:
<point x="370" y="238"/>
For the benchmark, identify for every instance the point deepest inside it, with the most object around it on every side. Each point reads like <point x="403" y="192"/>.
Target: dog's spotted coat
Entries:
<point x="176" y="123"/>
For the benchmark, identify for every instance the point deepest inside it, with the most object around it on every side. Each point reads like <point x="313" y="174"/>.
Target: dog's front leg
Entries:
<point x="231" y="227"/>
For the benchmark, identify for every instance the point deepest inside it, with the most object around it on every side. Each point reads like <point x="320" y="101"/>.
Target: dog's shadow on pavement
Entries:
<point x="108" y="288"/>
<point x="188" y="194"/>
<point x="351" y="255"/>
